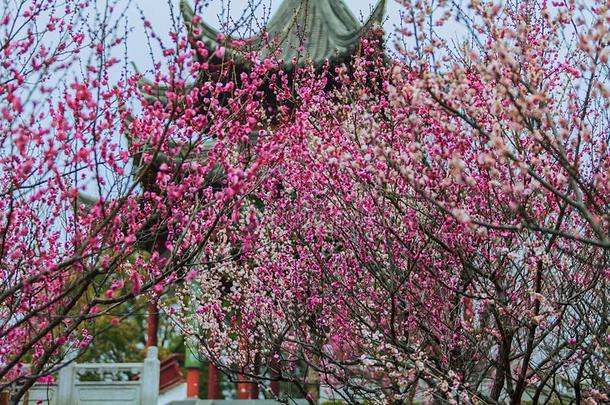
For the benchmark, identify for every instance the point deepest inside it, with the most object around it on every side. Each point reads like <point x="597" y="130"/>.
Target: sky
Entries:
<point x="158" y="13"/>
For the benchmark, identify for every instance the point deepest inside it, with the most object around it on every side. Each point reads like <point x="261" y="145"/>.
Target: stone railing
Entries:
<point x="96" y="384"/>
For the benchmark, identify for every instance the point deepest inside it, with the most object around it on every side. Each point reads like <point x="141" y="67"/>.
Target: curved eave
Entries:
<point x="332" y="32"/>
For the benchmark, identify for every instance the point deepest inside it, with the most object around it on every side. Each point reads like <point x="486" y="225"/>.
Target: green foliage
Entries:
<point x="125" y="341"/>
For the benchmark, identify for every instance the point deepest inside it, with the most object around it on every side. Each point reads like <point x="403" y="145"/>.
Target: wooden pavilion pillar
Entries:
<point x="275" y="374"/>
<point x="275" y="387"/>
<point x="213" y="382"/>
<point x="5" y="396"/>
<point x="246" y="389"/>
<point x="152" y="324"/>
<point x="192" y="382"/>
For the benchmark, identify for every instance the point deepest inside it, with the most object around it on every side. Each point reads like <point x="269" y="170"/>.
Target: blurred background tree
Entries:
<point x="121" y="336"/>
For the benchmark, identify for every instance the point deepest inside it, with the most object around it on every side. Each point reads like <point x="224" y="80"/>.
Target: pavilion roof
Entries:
<point x="303" y="30"/>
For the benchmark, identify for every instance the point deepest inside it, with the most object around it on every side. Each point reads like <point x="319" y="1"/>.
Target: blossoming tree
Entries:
<point x="427" y="227"/>
<point x="76" y="123"/>
<point x="432" y="227"/>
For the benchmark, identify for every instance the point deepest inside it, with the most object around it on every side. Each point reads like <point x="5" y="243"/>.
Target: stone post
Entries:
<point x="150" y="377"/>
<point x="66" y="381"/>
